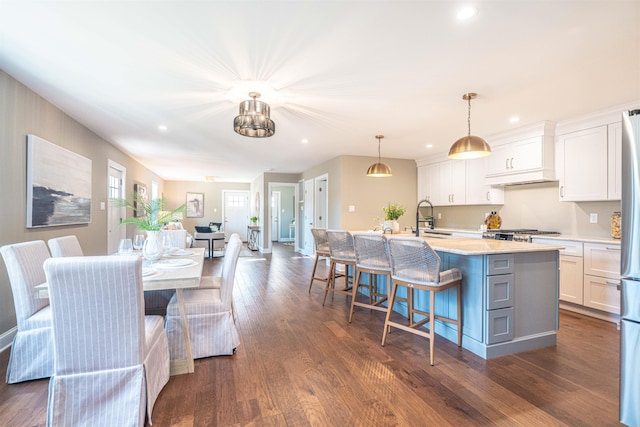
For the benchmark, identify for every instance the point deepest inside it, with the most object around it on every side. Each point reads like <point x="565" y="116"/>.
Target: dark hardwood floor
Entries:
<point x="303" y="364"/>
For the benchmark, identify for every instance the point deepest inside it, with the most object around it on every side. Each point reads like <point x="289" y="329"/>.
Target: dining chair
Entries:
<point x="110" y="360"/>
<point x="209" y="314"/>
<point x="342" y="253"/>
<point x="372" y="258"/>
<point x="31" y="357"/>
<point x="65" y="246"/>
<point x="322" y="251"/>
<point x="415" y="265"/>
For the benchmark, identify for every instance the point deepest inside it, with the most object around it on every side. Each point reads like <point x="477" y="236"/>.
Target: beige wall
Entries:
<point x="24" y="112"/>
<point x="175" y="194"/>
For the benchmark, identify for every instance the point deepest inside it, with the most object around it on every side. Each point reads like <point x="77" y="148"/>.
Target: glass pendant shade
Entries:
<point x="254" y="120"/>
<point x="379" y="169"/>
<point x="469" y="147"/>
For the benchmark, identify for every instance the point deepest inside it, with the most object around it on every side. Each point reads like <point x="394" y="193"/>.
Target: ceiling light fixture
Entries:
<point x="254" y="120"/>
<point x="469" y="147"/>
<point x="379" y="169"/>
<point x="466" y="13"/>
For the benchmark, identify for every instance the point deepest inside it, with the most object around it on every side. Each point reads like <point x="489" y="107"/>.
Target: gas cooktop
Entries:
<point x="520" y="234"/>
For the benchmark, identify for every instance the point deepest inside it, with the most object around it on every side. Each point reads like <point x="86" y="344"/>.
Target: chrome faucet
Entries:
<point x="429" y="219"/>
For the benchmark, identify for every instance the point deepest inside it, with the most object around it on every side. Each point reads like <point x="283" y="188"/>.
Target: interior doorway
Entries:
<point x="282" y="212"/>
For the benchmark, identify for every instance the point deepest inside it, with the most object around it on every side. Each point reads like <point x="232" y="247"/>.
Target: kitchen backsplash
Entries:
<point x="535" y="206"/>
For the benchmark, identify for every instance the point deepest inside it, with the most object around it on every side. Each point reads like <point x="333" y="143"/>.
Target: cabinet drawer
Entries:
<point x="571" y="279"/>
<point x="499" y="325"/>
<point x="602" y="294"/>
<point x="571" y="247"/>
<point x="500" y="291"/>
<point x="499" y="264"/>
<point x="602" y="260"/>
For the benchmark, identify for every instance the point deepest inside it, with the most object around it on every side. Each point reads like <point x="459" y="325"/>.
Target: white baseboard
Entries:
<point x="7" y="338"/>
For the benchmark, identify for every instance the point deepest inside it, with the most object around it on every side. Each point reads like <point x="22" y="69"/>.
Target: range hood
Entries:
<point x="522" y="156"/>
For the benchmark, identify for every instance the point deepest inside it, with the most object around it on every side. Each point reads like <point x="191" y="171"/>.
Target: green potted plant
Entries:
<point x="392" y="212"/>
<point x="254" y="220"/>
<point x="151" y="217"/>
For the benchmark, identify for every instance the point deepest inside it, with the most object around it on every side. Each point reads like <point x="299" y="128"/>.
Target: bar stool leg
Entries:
<point x="432" y="329"/>
<point x="330" y="282"/>
<point x="355" y="293"/>
<point x="459" y="314"/>
<point x="387" y="327"/>
<point x="313" y="273"/>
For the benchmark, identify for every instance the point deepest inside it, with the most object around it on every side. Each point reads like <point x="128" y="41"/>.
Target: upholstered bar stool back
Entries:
<point x="342" y="253"/>
<point x="415" y="265"/>
<point x="322" y="251"/>
<point x="372" y="257"/>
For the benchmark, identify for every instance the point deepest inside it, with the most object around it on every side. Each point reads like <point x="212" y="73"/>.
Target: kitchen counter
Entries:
<point x="605" y="240"/>
<point x="466" y="246"/>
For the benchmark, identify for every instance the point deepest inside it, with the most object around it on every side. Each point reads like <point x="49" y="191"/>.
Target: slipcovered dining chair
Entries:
<point x="372" y="258"/>
<point x="209" y="313"/>
<point x="65" y="246"/>
<point x="342" y="253"/>
<point x="111" y="361"/>
<point x="322" y="251"/>
<point x="415" y="265"/>
<point x="31" y="356"/>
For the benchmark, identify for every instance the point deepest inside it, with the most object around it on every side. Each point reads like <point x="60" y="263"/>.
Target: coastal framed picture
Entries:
<point x="195" y="205"/>
<point x="58" y="185"/>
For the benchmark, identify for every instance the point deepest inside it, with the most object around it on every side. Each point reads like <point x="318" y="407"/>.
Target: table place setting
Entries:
<point x="177" y="252"/>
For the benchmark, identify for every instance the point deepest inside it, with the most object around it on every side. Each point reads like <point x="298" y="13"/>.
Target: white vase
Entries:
<point x="152" y="248"/>
<point x="395" y="227"/>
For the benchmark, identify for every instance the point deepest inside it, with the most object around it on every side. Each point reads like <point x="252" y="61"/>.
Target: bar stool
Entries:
<point x="372" y="257"/>
<point x="415" y="265"/>
<point x="342" y="252"/>
<point x="322" y="251"/>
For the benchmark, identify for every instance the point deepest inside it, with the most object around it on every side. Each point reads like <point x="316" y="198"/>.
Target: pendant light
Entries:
<point x="379" y="169"/>
<point x="254" y="120"/>
<point x="469" y="147"/>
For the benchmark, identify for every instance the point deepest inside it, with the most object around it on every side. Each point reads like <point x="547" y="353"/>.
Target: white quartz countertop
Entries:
<point x="471" y="246"/>
<point x="605" y="240"/>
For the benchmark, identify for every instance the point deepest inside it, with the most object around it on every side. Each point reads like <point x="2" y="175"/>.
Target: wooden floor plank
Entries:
<point x="302" y="364"/>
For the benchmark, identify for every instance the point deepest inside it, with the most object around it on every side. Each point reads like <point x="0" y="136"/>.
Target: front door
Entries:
<point x="115" y="214"/>
<point x="276" y="233"/>
<point x="236" y="213"/>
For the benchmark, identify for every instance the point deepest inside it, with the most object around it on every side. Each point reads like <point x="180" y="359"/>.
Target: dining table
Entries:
<point x="178" y="270"/>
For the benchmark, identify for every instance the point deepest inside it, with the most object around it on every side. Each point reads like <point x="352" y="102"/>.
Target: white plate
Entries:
<point x="148" y="271"/>
<point x="179" y="252"/>
<point x="174" y="263"/>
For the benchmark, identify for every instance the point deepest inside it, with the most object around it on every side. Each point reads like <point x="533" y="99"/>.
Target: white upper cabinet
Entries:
<point x="429" y="183"/>
<point x="522" y="155"/>
<point x="452" y="182"/>
<point x="588" y="163"/>
<point x="477" y="192"/>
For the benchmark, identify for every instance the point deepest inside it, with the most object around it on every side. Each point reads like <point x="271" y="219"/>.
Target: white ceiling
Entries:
<point x="334" y="72"/>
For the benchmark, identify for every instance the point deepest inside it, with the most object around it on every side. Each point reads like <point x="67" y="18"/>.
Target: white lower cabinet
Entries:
<point x="589" y="274"/>
<point x="602" y="277"/>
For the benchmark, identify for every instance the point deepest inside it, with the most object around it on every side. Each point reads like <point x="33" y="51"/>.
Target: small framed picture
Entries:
<point x="140" y="200"/>
<point x="195" y="205"/>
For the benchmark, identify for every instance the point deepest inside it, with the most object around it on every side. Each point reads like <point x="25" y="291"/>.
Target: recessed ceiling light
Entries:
<point x="429" y="145"/>
<point x="514" y="119"/>
<point x="466" y="13"/>
<point x="162" y="128"/>
<point x="209" y="178"/>
<point x="304" y="141"/>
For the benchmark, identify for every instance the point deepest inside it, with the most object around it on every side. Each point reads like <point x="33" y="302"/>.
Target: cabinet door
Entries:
<point x="498" y="161"/>
<point x="526" y="155"/>
<point x="423" y="184"/>
<point x="602" y="293"/>
<point x="452" y="175"/>
<point x="477" y="192"/>
<point x="571" y="279"/>
<point x="614" y="172"/>
<point x="583" y="169"/>
<point x="500" y="291"/>
<point x="499" y="325"/>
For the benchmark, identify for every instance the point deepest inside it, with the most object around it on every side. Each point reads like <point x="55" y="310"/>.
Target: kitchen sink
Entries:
<point x="435" y="233"/>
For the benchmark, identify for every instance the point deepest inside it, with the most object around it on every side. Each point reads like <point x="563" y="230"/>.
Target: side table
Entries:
<point x="253" y="231"/>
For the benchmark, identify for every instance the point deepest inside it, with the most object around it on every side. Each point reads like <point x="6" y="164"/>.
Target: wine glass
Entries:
<point x="166" y="243"/>
<point x="125" y="247"/>
<point x="138" y="241"/>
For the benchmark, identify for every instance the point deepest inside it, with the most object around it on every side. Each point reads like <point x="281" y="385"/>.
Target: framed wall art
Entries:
<point x="140" y="200"/>
<point x="195" y="205"/>
<point x="58" y="185"/>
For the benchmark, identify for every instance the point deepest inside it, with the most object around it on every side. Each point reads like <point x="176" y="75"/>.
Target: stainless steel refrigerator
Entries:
<point x="630" y="271"/>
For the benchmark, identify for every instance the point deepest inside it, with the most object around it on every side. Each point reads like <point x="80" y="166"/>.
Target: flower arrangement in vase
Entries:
<point x="392" y="212"/>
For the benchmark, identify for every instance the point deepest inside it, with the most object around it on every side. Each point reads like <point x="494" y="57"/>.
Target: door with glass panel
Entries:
<point x="235" y="213"/>
<point x="115" y="213"/>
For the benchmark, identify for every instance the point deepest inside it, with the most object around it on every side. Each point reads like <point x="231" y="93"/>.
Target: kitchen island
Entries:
<point x="509" y="295"/>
